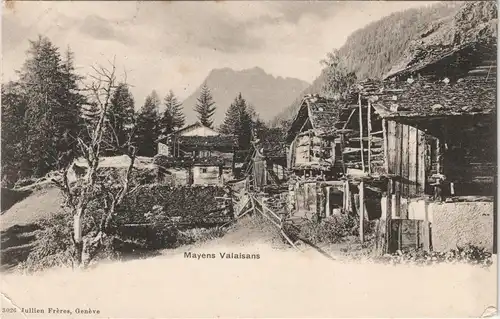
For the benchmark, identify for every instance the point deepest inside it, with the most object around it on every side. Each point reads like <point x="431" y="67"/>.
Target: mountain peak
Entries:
<point x="268" y="94"/>
<point x="256" y="70"/>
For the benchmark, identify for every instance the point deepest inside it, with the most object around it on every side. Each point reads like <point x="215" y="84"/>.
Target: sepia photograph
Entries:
<point x="249" y="159"/>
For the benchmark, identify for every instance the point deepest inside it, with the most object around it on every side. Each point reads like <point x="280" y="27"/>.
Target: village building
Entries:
<point x="314" y="158"/>
<point x="267" y="160"/>
<point x="414" y="151"/>
<point x="196" y="155"/>
<point x="313" y="150"/>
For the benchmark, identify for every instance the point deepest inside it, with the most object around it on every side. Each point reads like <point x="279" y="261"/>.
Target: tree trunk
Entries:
<point x="77" y="239"/>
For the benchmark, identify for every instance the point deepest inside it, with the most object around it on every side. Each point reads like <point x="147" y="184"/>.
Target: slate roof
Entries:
<point x="322" y="112"/>
<point x="427" y="96"/>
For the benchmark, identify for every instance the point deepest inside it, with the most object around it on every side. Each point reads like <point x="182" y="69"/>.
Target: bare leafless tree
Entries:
<point x="79" y="195"/>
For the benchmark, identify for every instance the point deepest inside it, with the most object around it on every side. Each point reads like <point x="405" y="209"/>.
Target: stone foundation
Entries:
<point x="460" y="224"/>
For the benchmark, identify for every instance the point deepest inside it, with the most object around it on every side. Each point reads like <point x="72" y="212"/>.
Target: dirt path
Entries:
<point x="281" y="283"/>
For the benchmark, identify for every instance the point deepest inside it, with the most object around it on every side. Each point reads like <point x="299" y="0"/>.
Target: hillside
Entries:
<point x="475" y="23"/>
<point x="268" y="94"/>
<point x="373" y="50"/>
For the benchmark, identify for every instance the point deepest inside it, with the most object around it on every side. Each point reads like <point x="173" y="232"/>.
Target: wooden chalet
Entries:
<point x="426" y="135"/>
<point x="313" y="149"/>
<point x="407" y="150"/>
<point x="197" y="154"/>
<point x="315" y="158"/>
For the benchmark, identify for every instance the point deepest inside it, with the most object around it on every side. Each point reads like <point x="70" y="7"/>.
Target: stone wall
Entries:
<point x="462" y="223"/>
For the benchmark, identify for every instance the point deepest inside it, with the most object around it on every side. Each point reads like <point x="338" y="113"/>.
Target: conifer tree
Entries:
<point x="338" y="79"/>
<point x="238" y="122"/>
<point x="121" y="115"/>
<point x="147" y="126"/>
<point x="172" y="118"/>
<point x="13" y="133"/>
<point x="48" y="84"/>
<point x="205" y="106"/>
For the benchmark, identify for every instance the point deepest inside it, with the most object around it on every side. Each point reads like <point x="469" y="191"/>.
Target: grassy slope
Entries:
<point x="39" y="205"/>
<point x="18" y="224"/>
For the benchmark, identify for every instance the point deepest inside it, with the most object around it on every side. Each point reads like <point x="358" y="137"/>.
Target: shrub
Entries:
<point x="469" y="254"/>
<point x="52" y="246"/>
<point x="159" y="203"/>
<point x="333" y="229"/>
<point x="151" y="207"/>
<point x="194" y="235"/>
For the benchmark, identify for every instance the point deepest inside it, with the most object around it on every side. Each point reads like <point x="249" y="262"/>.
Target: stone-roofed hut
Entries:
<point x="311" y="138"/>
<point x="421" y="142"/>
<point x="437" y="116"/>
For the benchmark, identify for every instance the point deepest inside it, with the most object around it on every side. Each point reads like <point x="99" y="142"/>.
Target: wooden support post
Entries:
<point x="362" y="211"/>
<point x="438" y="156"/>
<point x="342" y="146"/>
<point x="361" y="133"/>
<point x="265" y="173"/>
<point x="426" y="229"/>
<point x="327" y="202"/>
<point x="345" y="200"/>
<point x="309" y="146"/>
<point x="348" y="197"/>
<point x="369" y="137"/>
<point x="393" y="206"/>
<point x="386" y="146"/>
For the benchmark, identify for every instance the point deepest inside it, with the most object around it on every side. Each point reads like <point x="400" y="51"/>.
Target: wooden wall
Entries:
<point x="361" y="141"/>
<point x="461" y="148"/>
<point x="469" y="160"/>
<point x="312" y="149"/>
<point x="406" y="163"/>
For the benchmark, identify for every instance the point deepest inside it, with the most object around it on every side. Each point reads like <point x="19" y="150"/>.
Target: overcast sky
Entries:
<point x="174" y="45"/>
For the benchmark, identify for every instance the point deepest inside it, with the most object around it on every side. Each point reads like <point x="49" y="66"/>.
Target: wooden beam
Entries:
<point x="386" y="146"/>
<point x="303" y="125"/>
<point x="426" y="229"/>
<point x="327" y="201"/>
<point x="361" y="211"/>
<point x="361" y="133"/>
<point x="394" y="206"/>
<point x="344" y="199"/>
<point x="349" y="118"/>
<point x="309" y="147"/>
<point x="369" y="138"/>
<point x="438" y="155"/>
<point x="405" y="156"/>
<point x="342" y="146"/>
<point x="421" y="163"/>
<point x="412" y="161"/>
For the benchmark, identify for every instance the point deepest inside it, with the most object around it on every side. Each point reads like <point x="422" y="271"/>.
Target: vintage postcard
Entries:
<point x="248" y="159"/>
